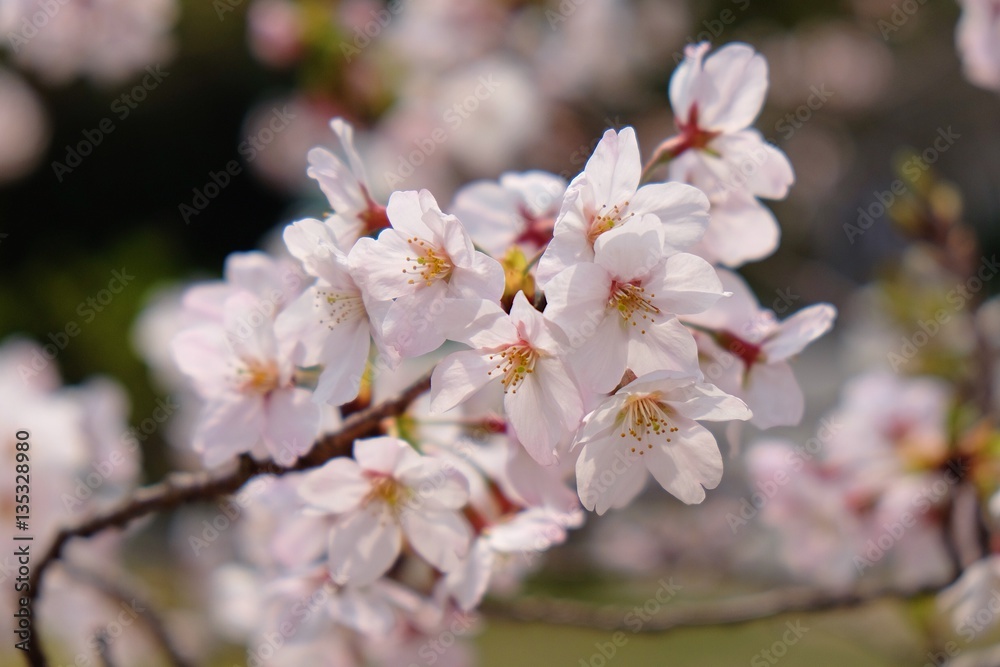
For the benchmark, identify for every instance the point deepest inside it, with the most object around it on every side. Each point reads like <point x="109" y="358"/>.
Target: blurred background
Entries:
<point x="154" y="140"/>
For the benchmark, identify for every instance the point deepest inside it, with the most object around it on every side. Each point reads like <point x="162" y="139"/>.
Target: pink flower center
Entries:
<point x="747" y="352"/>
<point x="374" y="217"/>
<point x="537" y="231"/>
<point x="691" y="135"/>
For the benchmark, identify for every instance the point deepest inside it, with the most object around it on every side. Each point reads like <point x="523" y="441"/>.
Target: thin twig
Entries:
<point x="151" y="618"/>
<point x="103" y="650"/>
<point x="183" y="488"/>
<point x="729" y="611"/>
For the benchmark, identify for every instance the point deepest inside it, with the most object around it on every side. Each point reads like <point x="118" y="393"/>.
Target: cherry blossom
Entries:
<point x="651" y="426"/>
<point x="560" y="380"/>
<point x="523" y="535"/>
<point x="741" y="230"/>
<point x="24" y="126"/>
<point x="903" y="539"/>
<point x="620" y="311"/>
<point x="424" y="260"/>
<point x="78" y="463"/>
<point x="818" y="534"/>
<point x="273" y="282"/>
<point x="518" y="509"/>
<point x="247" y="376"/>
<point x="715" y="101"/>
<point x="520" y="210"/>
<point x="888" y="426"/>
<point x="749" y="350"/>
<point x="386" y="493"/>
<point x="345" y="185"/>
<point x="333" y="314"/>
<point x="376" y="608"/>
<point x="607" y="195"/>
<point x="521" y="351"/>
<point x="105" y="40"/>
<point x="865" y="498"/>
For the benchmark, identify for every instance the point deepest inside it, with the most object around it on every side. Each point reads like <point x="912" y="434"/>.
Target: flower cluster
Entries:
<point x="570" y="328"/>
<point x="69" y="454"/>
<point x="866" y="497"/>
<point x="105" y="40"/>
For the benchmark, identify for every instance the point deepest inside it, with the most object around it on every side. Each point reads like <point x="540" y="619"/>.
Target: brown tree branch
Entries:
<point x="729" y="611"/>
<point x="183" y="488"/>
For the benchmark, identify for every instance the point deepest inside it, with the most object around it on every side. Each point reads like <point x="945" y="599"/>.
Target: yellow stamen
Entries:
<point x="644" y="419"/>
<point x="633" y="304"/>
<point x="516" y="363"/>
<point x="339" y="308"/>
<point x="604" y="220"/>
<point x="258" y="377"/>
<point x="387" y="490"/>
<point x="429" y="263"/>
